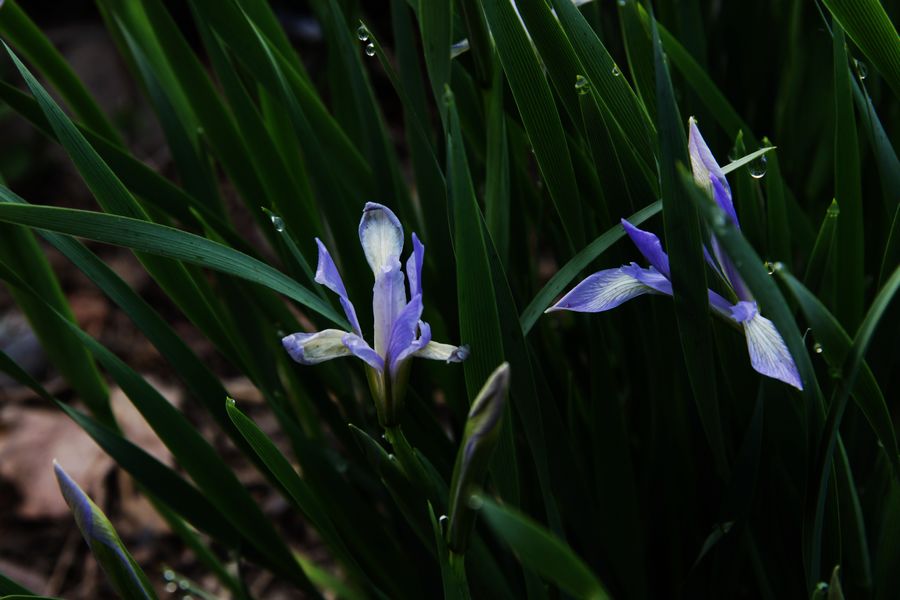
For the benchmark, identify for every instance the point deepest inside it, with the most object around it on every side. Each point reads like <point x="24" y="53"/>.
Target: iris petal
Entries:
<point x="768" y="353"/>
<point x="313" y="348"/>
<point x="414" y="266"/>
<point x="328" y="275"/>
<point x="388" y="301"/>
<point x="381" y="236"/>
<point x="360" y="349"/>
<point x="650" y="247"/>
<point x="445" y="352"/>
<point x="605" y="290"/>
<point x="403" y="332"/>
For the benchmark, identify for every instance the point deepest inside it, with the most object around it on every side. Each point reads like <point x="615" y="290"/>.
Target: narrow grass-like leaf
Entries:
<point x="18" y="247"/>
<point x="34" y="45"/>
<point x="541" y="551"/>
<point x="571" y="269"/>
<point x="144" y="236"/>
<point x="852" y="367"/>
<point x="303" y="496"/>
<point x="833" y="343"/>
<point x="685" y="247"/>
<point x="539" y="114"/>
<point x="479" y="320"/>
<point x="436" y="30"/>
<point x="11" y="589"/>
<point x="847" y="192"/>
<point x="870" y="28"/>
<point x="614" y="90"/>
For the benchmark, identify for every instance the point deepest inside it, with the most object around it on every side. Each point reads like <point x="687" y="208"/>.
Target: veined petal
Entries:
<point x="388" y="301"/>
<point x="445" y="352"/>
<point x="313" y="348"/>
<point x="328" y="275"/>
<point x="605" y="290"/>
<point x="381" y="236"/>
<point x="414" y="266"/>
<point x="768" y="353"/>
<point x="360" y="349"/>
<point x="403" y="332"/>
<point x="650" y="247"/>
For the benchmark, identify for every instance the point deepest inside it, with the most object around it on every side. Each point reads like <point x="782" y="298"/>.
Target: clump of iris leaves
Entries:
<point x="636" y="453"/>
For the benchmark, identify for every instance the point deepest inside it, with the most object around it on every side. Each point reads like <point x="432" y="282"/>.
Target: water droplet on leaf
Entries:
<point x="171" y="587"/>
<point x="475" y="502"/>
<point x="770" y="268"/>
<point x="362" y="33"/>
<point x="757" y="167"/>
<point x="443" y="520"/>
<point x="370" y="49"/>
<point x="169" y="575"/>
<point x="621" y="2"/>
<point x="862" y="71"/>
<point x="582" y="85"/>
<point x="231" y="402"/>
<point x="817" y="348"/>
<point x="277" y="222"/>
<point x="616" y="71"/>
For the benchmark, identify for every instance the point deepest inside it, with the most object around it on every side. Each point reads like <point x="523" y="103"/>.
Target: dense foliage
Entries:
<point x="640" y="453"/>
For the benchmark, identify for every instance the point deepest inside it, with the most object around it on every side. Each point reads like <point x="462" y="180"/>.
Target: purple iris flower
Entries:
<point x="400" y="333"/>
<point x="609" y="288"/>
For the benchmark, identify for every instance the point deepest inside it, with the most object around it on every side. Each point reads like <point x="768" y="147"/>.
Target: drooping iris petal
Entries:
<point x="313" y="348"/>
<point x="703" y="164"/>
<point x="381" y="236"/>
<point x="414" y="266"/>
<point x="328" y="275"/>
<point x="603" y="290"/>
<point x="403" y="331"/>
<point x="650" y="247"/>
<point x="768" y="353"/>
<point x="360" y="349"/>
<point x="388" y="300"/>
<point x="446" y="352"/>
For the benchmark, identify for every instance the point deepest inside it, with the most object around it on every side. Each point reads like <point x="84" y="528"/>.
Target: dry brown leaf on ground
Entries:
<point x="31" y="437"/>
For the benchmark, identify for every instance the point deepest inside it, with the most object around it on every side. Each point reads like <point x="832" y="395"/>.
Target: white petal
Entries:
<point x="445" y="352"/>
<point x="381" y="236"/>
<point x="313" y="348"/>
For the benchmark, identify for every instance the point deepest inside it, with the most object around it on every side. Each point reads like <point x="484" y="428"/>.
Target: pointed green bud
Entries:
<point x="479" y="440"/>
<point x="125" y="576"/>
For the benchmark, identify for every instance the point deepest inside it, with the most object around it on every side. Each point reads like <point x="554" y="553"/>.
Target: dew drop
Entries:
<point x="770" y="268"/>
<point x="817" y="348"/>
<point x="475" y="502"/>
<point x="821" y="586"/>
<point x="616" y="71"/>
<point x="362" y="33"/>
<point x="184" y="584"/>
<point x="231" y="402"/>
<point x="171" y="587"/>
<point x="757" y="167"/>
<point x="582" y="85"/>
<point x="443" y="520"/>
<point x="277" y="222"/>
<point x="370" y="49"/>
<point x="862" y="71"/>
<point x="621" y="2"/>
<point x="169" y="575"/>
<point x="778" y="266"/>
